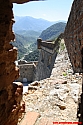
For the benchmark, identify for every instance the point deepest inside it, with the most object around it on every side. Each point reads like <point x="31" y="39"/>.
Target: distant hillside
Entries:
<point x="33" y="56"/>
<point x="28" y="29"/>
<point x="32" y="47"/>
<point x="30" y="23"/>
<point x="53" y="31"/>
<point x="29" y="33"/>
<point x="19" y="44"/>
<point x="25" y="44"/>
<point x="23" y="39"/>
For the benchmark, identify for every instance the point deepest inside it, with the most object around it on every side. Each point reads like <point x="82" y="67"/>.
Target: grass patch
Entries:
<point x="64" y="74"/>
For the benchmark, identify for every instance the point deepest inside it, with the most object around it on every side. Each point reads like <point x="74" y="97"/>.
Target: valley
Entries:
<point x="26" y="37"/>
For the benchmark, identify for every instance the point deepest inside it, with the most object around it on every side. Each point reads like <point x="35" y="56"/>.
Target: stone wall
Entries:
<point x="10" y="93"/>
<point x="73" y="36"/>
<point x="48" y="52"/>
<point x="31" y="71"/>
<point x="27" y="71"/>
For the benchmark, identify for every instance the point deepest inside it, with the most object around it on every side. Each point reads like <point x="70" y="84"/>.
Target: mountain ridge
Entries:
<point x="31" y="23"/>
<point x="53" y="31"/>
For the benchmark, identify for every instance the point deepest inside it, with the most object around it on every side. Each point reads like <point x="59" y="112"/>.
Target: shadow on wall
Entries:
<point x="80" y="106"/>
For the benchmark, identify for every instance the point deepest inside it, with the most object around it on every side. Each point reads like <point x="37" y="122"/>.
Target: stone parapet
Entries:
<point x="47" y="44"/>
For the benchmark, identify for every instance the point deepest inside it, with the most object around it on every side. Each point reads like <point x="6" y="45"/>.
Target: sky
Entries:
<point x="51" y="10"/>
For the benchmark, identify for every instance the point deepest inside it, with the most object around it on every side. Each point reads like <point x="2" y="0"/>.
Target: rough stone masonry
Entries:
<point x="73" y="36"/>
<point x="10" y="93"/>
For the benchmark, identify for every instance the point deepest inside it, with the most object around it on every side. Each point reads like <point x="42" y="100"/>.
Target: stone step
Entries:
<point x="30" y="118"/>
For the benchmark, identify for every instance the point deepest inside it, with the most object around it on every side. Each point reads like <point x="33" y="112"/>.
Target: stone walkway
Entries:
<point x="54" y="99"/>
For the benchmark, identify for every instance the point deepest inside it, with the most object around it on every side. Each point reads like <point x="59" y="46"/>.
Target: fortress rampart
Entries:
<point x="48" y="52"/>
<point x="30" y="71"/>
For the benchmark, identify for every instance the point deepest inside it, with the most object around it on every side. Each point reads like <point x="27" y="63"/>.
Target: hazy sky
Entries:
<point x="52" y="10"/>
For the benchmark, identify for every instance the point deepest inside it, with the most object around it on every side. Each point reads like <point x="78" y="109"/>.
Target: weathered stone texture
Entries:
<point x="74" y="35"/>
<point x="74" y="42"/>
<point x="10" y="94"/>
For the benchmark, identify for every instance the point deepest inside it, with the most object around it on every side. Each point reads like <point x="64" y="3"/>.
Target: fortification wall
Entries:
<point x="26" y="71"/>
<point x="48" y="52"/>
<point x="73" y="36"/>
<point x="42" y="69"/>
